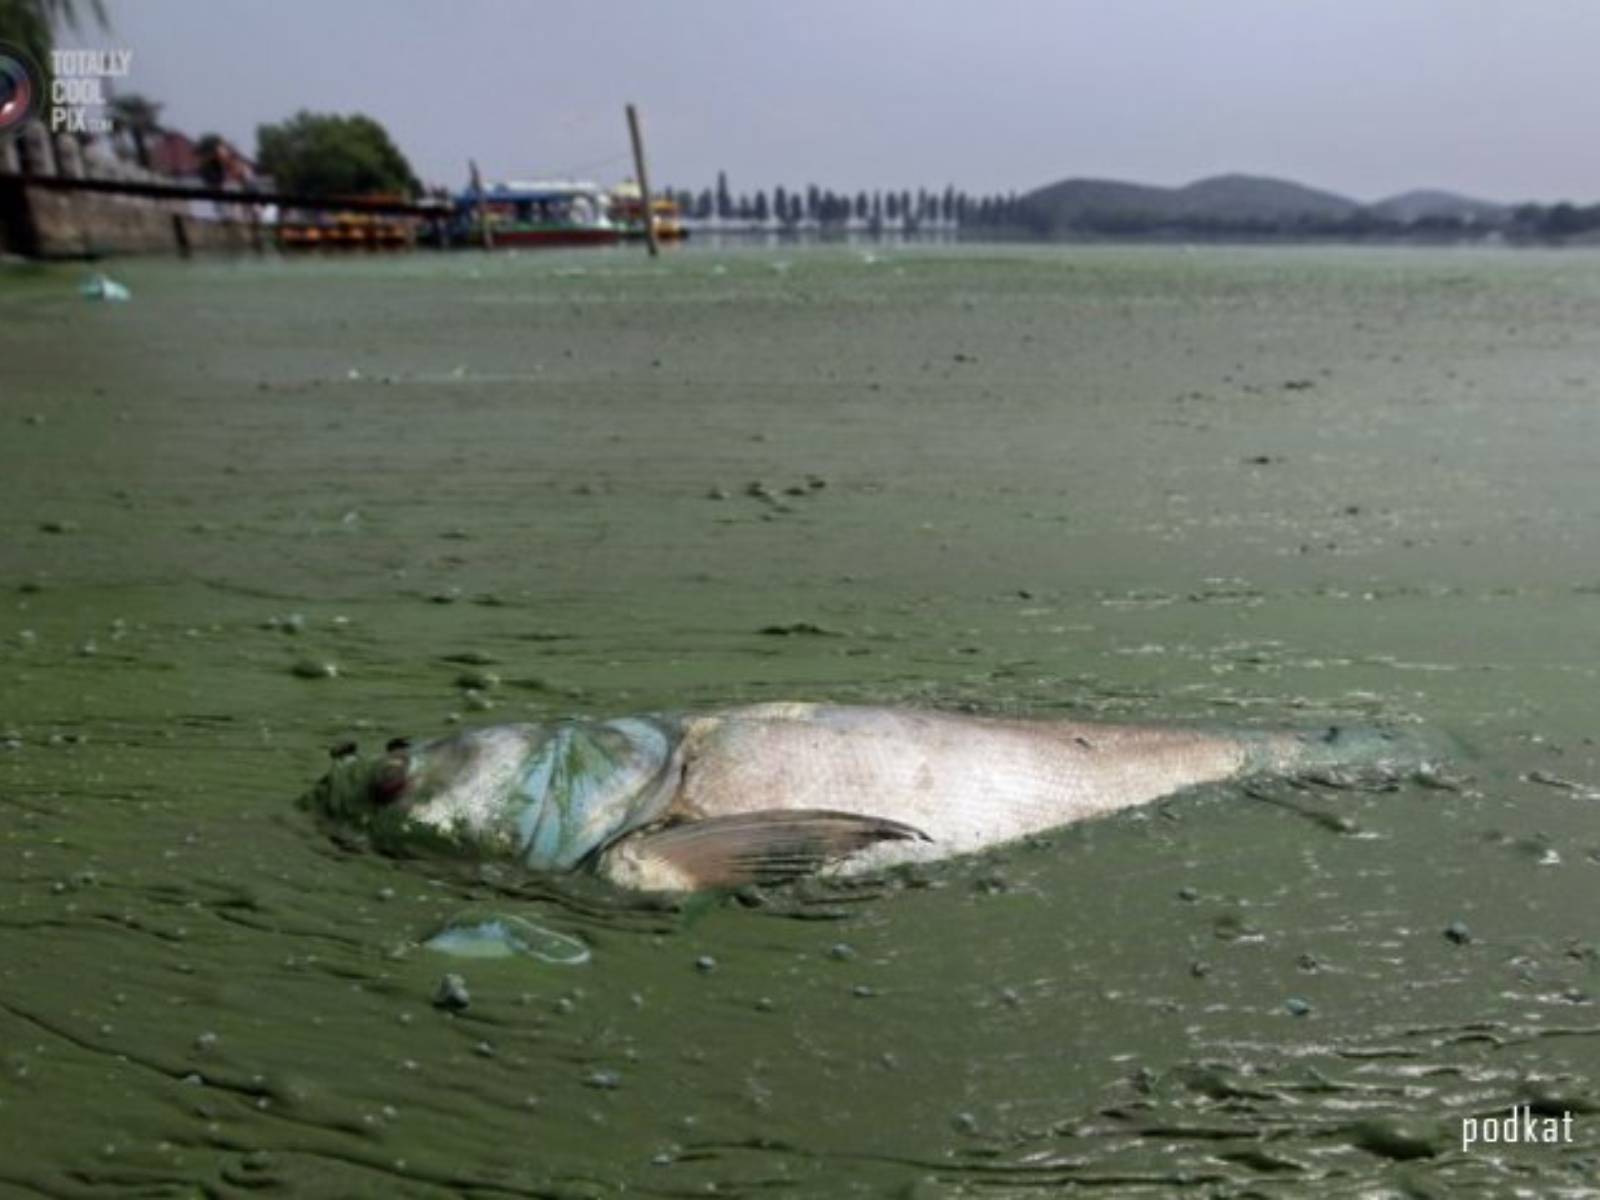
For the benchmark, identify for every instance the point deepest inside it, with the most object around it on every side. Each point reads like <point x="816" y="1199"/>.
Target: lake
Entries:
<point x="270" y="505"/>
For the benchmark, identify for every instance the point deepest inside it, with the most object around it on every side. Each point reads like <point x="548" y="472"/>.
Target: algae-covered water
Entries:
<point x="267" y="506"/>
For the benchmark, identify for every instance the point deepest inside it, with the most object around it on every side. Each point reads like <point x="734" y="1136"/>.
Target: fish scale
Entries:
<point x="770" y="791"/>
<point x="965" y="782"/>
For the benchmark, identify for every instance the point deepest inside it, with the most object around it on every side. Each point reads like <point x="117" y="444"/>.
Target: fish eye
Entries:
<point x="389" y="781"/>
<point x="399" y="743"/>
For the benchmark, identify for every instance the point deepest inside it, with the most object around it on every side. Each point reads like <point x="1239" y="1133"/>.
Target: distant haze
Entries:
<point x="1493" y="98"/>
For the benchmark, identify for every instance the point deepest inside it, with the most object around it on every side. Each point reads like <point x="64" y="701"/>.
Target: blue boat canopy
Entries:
<point x="540" y="193"/>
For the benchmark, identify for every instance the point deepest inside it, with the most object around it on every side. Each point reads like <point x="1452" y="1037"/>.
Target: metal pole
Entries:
<point x="644" y="181"/>
<point x="483" y="208"/>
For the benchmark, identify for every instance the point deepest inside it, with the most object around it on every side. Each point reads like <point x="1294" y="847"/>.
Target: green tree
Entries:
<point x="31" y="24"/>
<point x="138" y="117"/>
<point x="323" y="154"/>
<point x="1563" y="220"/>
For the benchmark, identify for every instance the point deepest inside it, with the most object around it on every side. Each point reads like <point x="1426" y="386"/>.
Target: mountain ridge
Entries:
<point x="1422" y="203"/>
<point x="1234" y="199"/>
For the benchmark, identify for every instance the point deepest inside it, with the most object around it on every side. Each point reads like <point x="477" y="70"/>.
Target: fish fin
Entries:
<point x="768" y="847"/>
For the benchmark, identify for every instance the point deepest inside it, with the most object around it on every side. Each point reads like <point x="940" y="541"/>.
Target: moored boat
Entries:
<point x="352" y="229"/>
<point x="627" y="214"/>
<point x="541" y="213"/>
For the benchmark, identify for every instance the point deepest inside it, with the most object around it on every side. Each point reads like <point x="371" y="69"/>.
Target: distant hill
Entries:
<point x="1258" y="198"/>
<point x="1425" y="203"/>
<point x="1075" y="198"/>
<point x="1249" y="204"/>
<point x="1224" y="200"/>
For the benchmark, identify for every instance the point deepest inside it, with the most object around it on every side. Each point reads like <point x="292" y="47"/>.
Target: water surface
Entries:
<point x="267" y="506"/>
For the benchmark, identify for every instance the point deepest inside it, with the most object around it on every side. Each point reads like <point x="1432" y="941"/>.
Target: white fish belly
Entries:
<point x="966" y="782"/>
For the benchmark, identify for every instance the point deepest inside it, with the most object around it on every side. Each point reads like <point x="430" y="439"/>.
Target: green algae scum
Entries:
<point x="263" y="508"/>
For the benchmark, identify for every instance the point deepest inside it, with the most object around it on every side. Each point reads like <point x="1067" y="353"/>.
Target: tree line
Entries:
<point x="1011" y="215"/>
<point x="1525" y="223"/>
<point x="814" y="205"/>
<point x="1555" y="221"/>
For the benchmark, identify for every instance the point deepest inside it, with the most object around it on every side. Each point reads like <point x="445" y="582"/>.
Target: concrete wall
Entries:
<point x="78" y="224"/>
<point x="42" y="222"/>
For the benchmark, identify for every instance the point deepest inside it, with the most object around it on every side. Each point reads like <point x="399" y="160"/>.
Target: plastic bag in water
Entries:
<point x="503" y="935"/>
<point x="103" y="287"/>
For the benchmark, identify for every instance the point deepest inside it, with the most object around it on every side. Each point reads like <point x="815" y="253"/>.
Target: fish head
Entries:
<point x="457" y="794"/>
<point x="545" y="794"/>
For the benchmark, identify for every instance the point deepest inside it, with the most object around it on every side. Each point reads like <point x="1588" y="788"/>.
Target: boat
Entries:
<point x="627" y="214"/>
<point x="537" y="213"/>
<point x="348" y="229"/>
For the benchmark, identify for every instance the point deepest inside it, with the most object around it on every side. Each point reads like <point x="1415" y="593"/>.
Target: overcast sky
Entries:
<point x="1495" y="98"/>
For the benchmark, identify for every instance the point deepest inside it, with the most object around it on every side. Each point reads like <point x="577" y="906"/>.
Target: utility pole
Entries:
<point x="644" y="181"/>
<point x="482" y="205"/>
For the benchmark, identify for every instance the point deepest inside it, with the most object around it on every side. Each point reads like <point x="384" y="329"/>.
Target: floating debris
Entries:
<point x="451" y="994"/>
<point x="503" y="935"/>
<point x="1554" y="781"/>
<point x="103" y="287"/>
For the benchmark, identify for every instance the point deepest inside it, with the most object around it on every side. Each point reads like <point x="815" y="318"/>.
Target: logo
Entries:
<point x="21" y="87"/>
<point x="78" y="94"/>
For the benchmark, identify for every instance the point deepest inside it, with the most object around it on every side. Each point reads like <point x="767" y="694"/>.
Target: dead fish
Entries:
<point x="769" y="792"/>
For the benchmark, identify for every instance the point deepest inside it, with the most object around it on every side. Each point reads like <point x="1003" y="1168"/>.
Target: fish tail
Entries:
<point x="1376" y="748"/>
